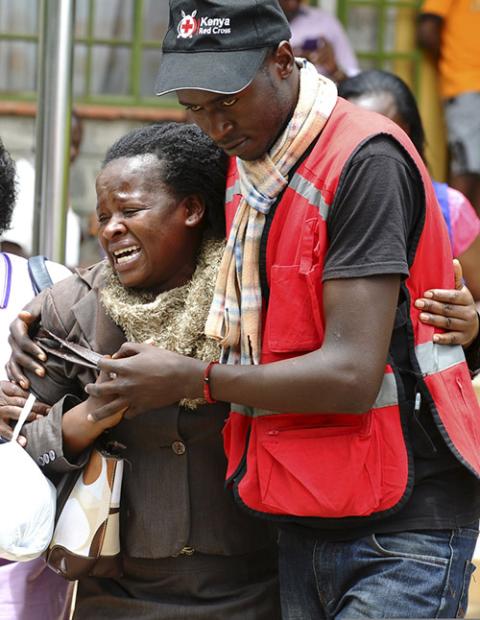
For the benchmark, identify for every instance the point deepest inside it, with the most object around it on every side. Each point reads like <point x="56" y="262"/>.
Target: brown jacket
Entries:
<point x="173" y="492"/>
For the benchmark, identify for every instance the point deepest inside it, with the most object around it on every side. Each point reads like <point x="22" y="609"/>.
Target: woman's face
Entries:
<point x="149" y="236"/>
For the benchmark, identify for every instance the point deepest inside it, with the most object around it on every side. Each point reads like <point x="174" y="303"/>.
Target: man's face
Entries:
<point x="247" y="123"/>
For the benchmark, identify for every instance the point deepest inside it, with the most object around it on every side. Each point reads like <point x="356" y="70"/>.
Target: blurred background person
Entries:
<point x="319" y="36"/>
<point x="450" y="31"/>
<point x="387" y="94"/>
<point x="18" y="239"/>
<point x="28" y="590"/>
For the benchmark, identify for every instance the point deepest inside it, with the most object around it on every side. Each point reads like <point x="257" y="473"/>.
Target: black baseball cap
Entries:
<point x="218" y="45"/>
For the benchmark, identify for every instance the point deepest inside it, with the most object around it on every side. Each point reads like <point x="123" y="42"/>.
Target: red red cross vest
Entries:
<point x="331" y="466"/>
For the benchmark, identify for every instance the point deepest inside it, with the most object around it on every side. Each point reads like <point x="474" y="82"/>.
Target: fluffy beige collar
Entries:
<point x="175" y="319"/>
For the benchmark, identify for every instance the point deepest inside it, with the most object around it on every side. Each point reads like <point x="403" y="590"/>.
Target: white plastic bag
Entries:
<point x="27" y="500"/>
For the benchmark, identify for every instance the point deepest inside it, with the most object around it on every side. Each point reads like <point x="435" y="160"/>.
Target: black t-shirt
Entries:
<point x="473" y="355"/>
<point x="373" y="226"/>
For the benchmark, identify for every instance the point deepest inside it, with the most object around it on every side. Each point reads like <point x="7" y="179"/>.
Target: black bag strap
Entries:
<point x="38" y="272"/>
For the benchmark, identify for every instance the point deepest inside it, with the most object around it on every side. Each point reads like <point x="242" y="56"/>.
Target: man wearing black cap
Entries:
<point x="350" y="426"/>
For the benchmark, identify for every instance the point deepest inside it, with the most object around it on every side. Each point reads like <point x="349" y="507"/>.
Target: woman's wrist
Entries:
<point x="78" y="432"/>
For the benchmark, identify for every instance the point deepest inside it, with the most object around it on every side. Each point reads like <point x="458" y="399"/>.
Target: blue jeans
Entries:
<point x="421" y="574"/>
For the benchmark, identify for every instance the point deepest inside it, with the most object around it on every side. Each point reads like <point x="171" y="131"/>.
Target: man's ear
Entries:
<point x="194" y="206"/>
<point x="284" y="59"/>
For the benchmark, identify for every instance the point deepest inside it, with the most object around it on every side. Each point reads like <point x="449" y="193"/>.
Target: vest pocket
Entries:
<point x="330" y="470"/>
<point x="294" y="321"/>
<point x="459" y="413"/>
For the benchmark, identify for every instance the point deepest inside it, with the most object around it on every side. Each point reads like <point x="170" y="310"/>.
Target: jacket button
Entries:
<point x="184" y="551"/>
<point x="179" y="447"/>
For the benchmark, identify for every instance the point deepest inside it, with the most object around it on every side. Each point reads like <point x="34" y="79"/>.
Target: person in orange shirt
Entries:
<point x="449" y="30"/>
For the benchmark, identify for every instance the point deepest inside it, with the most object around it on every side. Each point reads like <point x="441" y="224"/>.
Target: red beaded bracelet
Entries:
<point x="207" y="394"/>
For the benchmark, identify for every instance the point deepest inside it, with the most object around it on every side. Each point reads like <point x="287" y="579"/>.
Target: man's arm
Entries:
<point x="343" y="376"/>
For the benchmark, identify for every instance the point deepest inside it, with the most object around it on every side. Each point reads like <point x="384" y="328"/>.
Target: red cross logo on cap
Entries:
<point x="188" y="26"/>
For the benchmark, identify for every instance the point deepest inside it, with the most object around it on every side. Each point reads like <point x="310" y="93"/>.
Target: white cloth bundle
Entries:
<point x="27" y="500"/>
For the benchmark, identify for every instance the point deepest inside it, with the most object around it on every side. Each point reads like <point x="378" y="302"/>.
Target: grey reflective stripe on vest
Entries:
<point x="304" y="188"/>
<point x="387" y="396"/>
<point x="434" y="358"/>
<point x="232" y="191"/>
<point x="251" y="412"/>
<point x="311" y="193"/>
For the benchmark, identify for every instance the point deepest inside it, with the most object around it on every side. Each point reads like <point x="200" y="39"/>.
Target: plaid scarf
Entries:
<point x="235" y="314"/>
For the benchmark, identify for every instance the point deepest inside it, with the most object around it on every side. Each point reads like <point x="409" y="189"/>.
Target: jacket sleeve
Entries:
<point x="62" y="377"/>
<point x="45" y="443"/>
<point x="62" y="386"/>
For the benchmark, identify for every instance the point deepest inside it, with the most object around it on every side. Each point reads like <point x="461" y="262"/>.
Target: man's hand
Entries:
<point x="95" y="403"/>
<point x="143" y="378"/>
<point x="79" y="427"/>
<point x="25" y="353"/>
<point x="12" y="399"/>
<point x="452" y="310"/>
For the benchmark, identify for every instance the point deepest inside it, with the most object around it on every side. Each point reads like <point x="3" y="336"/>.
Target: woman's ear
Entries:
<point x="194" y="206"/>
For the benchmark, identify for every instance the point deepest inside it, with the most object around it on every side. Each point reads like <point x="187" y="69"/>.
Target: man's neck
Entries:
<point x="289" y="116"/>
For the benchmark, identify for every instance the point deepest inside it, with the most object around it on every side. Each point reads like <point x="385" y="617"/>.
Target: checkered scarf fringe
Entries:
<point x="235" y="314"/>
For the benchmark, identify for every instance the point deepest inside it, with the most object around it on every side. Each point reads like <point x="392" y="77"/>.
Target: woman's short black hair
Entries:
<point x="7" y="188"/>
<point x="377" y="82"/>
<point x="189" y="163"/>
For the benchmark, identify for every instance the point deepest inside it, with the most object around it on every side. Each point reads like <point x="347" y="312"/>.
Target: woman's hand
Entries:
<point x="25" y="353"/>
<point x="452" y="310"/>
<point x="12" y="400"/>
